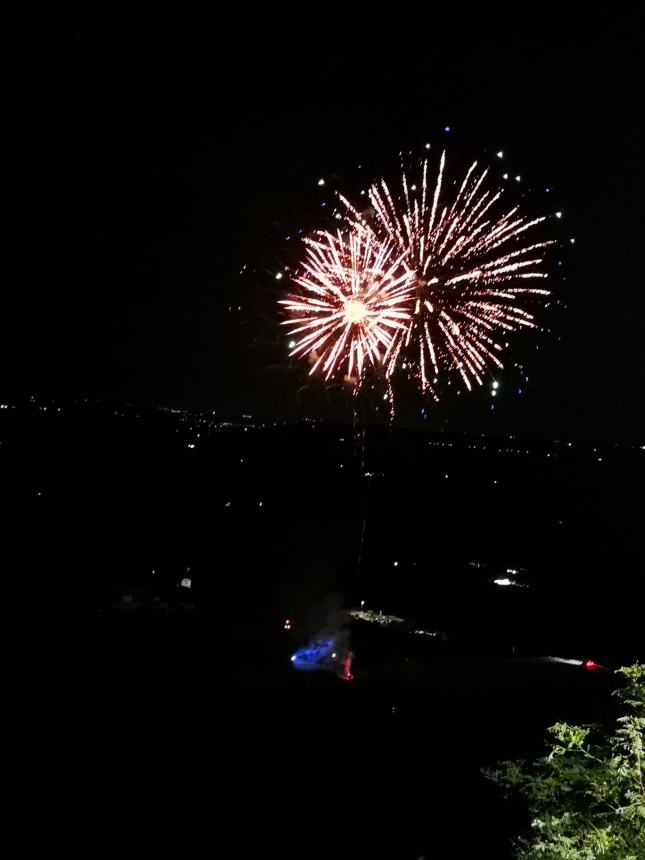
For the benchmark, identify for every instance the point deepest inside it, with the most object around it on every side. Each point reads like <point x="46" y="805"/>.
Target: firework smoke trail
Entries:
<point x="472" y="273"/>
<point x="355" y="295"/>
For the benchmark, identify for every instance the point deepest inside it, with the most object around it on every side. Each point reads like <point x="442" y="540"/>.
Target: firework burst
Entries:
<point x="355" y="296"/>
<point x="473" y="272"/>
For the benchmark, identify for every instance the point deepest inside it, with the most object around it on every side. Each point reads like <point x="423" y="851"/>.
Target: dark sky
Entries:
<point x="154" y="161"/>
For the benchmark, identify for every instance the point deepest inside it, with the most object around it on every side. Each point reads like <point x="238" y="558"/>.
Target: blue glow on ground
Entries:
<point x="315" y="655"/>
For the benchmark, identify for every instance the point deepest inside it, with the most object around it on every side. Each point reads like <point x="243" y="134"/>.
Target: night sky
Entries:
<point x="154" y="161"/>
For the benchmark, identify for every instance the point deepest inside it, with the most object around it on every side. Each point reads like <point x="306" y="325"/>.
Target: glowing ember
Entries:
<point x="346" y="667"/>
<point x="355" y="311"/>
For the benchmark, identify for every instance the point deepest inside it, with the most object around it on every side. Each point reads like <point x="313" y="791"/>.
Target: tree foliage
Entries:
<point x="586" y="797"/>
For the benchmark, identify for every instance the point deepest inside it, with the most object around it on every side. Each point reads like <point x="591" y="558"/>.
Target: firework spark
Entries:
<point x="355" y="296"/>
<point x="472" y="273"/>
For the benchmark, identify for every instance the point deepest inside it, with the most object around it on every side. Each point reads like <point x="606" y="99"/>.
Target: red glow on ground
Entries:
<point x="346" y="665"/>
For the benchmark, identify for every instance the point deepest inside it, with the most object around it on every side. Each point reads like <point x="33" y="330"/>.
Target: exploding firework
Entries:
<point x="355" y="295"/>
<point x="472" y="267"/>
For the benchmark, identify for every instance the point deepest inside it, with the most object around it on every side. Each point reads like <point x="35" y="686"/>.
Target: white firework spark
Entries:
<point x="472" y="272"/>
<point x="355" y="295"/>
